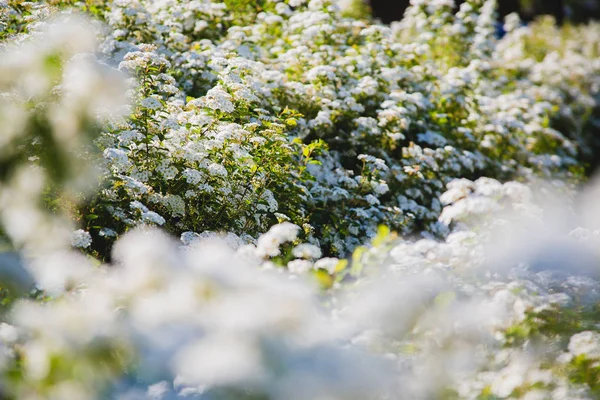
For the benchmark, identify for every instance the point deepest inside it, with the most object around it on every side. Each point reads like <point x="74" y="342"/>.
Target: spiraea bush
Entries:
<point x="286" y="200"/>
<point x="364" y="124"/>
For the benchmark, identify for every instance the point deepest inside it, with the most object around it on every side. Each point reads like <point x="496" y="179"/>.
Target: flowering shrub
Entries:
<point x="212" y="163"/>
<point x="276" y="140"/>
<point x="371" y="122"/>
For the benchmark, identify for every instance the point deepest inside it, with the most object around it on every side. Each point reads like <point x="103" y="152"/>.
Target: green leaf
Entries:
<point x="341" y="265"/>
<point x="383" y="232"/>
<point x="325" y="280"/>
<point x="357" y="265"/>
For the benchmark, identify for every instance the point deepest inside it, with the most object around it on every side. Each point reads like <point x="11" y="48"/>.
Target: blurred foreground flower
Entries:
<point x="54" y="93"/>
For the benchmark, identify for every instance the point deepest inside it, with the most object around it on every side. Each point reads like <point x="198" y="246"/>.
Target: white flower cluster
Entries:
<point x="273" y="142"/>
<point x="205" y="320"/>
<point x="53" y="88"/>
<point x="81" y="239"/>
<point x="415" y="119"/>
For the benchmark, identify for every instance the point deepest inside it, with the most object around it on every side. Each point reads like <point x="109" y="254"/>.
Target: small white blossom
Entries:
<point x="585" y="343"/>
<point x="153" y="218"/>
<point x="307" y="251"/>
<point x="299" y="266"/>
<point x="217" y="170"/>
<point x="329" y="264"/>
<point x="81" y="239"/>
<point x="151" y="102"/>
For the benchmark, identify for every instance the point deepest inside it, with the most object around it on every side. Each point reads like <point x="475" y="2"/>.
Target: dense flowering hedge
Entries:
<point x="363" y="211"/>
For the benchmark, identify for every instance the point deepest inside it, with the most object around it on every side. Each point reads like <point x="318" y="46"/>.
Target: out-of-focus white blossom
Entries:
<point x="585" y="344"/>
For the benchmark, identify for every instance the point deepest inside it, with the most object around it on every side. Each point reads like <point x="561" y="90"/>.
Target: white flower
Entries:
<point x="118" y="158"/>
<point x="268" y="244"/>
<point x="457" y="189"/>
<point x="192" y="176"/>
<point x="306" y="250"/>
<point x="372" y="200"/>
<point x="151" y="102"/>
<point x="167" y="171"/>
<point x="217" y="170"/>
<point x="432" y="138"/>
<point x="188" y="238"/>
<point x="367" y="85"/>
<point x="299" y="266"/>
<point x="153" y="218"/>
<point x="380" y="188"/>
<point x="137" y="205"/>
<point x="328" y="264"/>
<point x="326" y="71"/>
<point x="377" y="163"/>
<point x="128" y="137"/>
<point x="107" y="232"/>
<point x="176" y="205"/>
<point x="81" y="239"/>
<point x="219" y="360"/>
<point x="285" y="232"/>
<point x="8" y="333"/>
<point x="218" y="99"/>
<point x="585" y="343"/>
<point x="136" y="187"/>
<point x="200" y="26"/>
